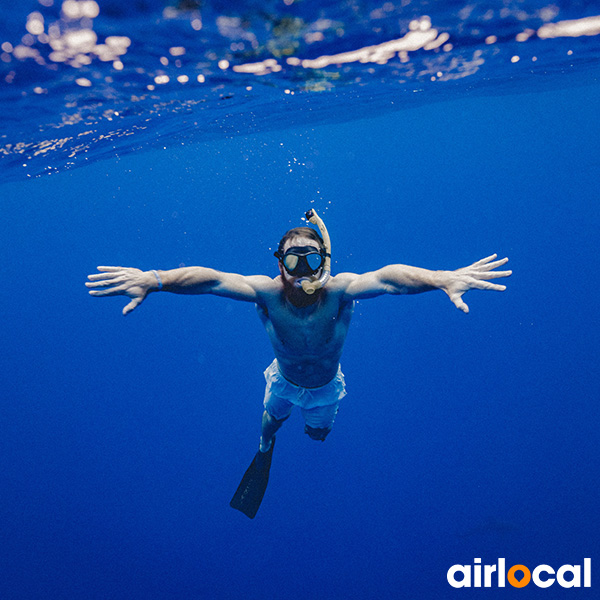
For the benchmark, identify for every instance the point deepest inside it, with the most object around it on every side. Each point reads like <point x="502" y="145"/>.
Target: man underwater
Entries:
<point x="306" y="313"/>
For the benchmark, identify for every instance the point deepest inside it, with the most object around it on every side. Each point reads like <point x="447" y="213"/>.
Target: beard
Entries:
<point x="297" y="296"/>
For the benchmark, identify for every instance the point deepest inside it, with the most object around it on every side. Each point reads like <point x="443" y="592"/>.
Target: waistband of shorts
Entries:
<point x="303" y="386"/>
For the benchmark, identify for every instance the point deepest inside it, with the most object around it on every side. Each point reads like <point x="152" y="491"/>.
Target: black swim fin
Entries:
<point x="253" y="486"/>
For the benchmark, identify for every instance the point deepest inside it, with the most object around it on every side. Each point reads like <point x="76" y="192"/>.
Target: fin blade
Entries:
<point x="252" y="488"/>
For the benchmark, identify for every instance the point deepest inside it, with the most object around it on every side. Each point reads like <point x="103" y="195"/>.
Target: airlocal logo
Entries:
<point x="519" y="576"/>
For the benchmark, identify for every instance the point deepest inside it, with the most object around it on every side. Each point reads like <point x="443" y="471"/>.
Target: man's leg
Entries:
<point x="277" y="405"/>
<point x="319" y="421"/>
<point x="270" y="426"/>
<point x="317" y="433"/>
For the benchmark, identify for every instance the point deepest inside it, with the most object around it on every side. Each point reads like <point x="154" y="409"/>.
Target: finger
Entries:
<point x="492" y="274"/>
<point x="131" y="306"/>
<point x="483" y="261"/>
<point x="106" y="280"/>
<point x="105" y="284"/>
<point x="486" y="285"/>
<point x="458" y="302"/>
<point x="115" y="291"/>
<point x="493" y="265"/>
<point x="111" y="275"/>
<point x="109" y="268"/>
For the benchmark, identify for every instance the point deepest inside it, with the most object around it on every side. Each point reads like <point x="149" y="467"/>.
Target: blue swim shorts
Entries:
<point x="319" y="406"/>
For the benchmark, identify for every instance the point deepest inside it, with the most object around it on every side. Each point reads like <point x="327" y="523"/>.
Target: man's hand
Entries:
<point x="473" y="277"/>
<point x="122" y="281"/>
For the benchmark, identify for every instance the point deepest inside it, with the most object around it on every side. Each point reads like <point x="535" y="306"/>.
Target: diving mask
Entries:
<point x="300" y="261"/>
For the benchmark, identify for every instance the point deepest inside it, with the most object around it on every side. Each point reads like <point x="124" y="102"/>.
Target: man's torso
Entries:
<point x="307" y="341"/>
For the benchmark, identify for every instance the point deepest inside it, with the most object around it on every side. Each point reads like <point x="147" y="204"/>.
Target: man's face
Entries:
<point x="302" y="242"/>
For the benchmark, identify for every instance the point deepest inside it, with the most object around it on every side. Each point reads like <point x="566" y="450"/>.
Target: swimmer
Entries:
<point x="306" y="312"/>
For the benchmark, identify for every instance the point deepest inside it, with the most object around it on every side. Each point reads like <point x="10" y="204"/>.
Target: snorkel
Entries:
<point x="309" y="284"/>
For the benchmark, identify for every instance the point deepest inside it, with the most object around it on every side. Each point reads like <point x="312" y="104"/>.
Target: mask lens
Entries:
<point x="314" y="261"/>
<point x="290" y="261"/>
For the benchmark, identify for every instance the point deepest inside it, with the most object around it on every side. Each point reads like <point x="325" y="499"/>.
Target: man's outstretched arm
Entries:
<point x="402" y="279"/>
<point x="137" y="284"/>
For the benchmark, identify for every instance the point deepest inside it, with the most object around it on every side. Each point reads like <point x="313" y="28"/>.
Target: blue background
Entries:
<point x="462" y="436"/>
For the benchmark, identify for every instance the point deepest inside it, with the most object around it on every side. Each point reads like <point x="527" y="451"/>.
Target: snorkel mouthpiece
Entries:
<point x="309" y="285"/>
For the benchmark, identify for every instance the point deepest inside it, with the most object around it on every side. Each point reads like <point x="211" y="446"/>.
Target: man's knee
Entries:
<point x="271" y="419"/>
<point x="317" y="433"/>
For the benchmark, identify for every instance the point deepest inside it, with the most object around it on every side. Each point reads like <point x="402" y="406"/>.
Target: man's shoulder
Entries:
<point x="341" y="281"/>
<point x="265" y="285"/>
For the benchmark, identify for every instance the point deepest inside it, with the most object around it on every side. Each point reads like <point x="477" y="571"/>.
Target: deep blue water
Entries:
<point x="462" y="436"/>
